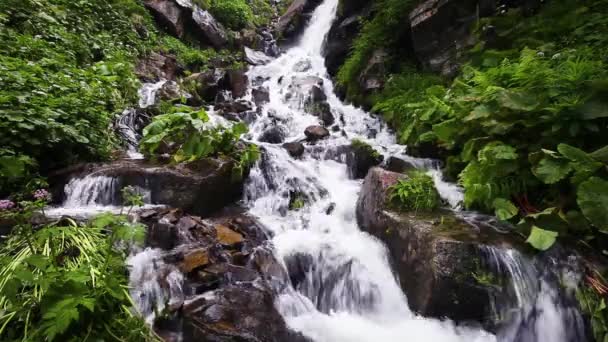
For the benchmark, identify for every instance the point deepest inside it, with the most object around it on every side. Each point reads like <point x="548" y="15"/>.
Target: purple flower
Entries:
<point x="6" y="204"/>
<point x="42" y="195"/>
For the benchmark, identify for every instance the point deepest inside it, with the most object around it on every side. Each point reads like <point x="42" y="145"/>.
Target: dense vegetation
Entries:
<point x="186" y="134"/>
<point x="65" y="281"/>
<point x="67" y="70"/>
<point x="523" y="126"/>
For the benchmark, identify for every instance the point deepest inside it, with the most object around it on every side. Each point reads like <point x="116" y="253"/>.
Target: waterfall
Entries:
<point x="349" y="292"/>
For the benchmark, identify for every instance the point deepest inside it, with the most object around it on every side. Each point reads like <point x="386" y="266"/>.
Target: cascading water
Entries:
<point x="348" y="292"/>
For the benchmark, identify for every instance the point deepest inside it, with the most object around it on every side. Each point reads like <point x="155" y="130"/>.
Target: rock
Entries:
<point x="323" y="111"/>
<point x="237" y="106"/>
<point x="398" y="165"/>
<point x="295" y="149"/>
<point x="194" y="259"/>
<point x="372" y="76"/>
<point x="362" y="158"/>
<point x="314" y="133"/>
<point x="243" y="312"/>
<point x="201" y="187"/>
<point x="294" y="20"/>
<point x="170" y="91"/>
<point x="255" y="57"/>
<point x="260" y="95"/>
<point x="155" y="67"/>
<point x="236" y="81"/>
<point x="339" y="42"/>
<point x="227" y="236"/>
<point x="441" y="30"/>
<point x="212" y="30"/>
<point x="273" y="135"/>
<point x="435" y="255"/>
<point x="206" y="84"/>
<point x="317" y="94"/>
<point x="168" y="14"/>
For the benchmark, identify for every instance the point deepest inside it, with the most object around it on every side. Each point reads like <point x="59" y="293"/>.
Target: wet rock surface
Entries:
<point x="314" y="133"/>
<point x="201" y="187"/>
<point x="295" y="18"/>
<point x="156" y="66"/>
<point x="295" y="149"/>
<point x="436" y="256"/>
<point x="230" y="278"/>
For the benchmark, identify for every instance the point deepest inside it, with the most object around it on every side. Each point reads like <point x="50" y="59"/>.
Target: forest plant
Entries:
<point x="188" y="135"/>
<point x="67" y="282"/>
<point x="417" y="192"/>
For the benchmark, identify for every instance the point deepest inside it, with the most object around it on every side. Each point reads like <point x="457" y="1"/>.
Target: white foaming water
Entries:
<point x="349" y="293"/>
<point x="147" y="93"/>
<point x="126" y="125"/>
<point x="92" y="195"/>
<point x="154" y="284"/>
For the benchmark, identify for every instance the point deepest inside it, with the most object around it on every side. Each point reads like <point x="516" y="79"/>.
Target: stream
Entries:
<point x="350" y="293"/>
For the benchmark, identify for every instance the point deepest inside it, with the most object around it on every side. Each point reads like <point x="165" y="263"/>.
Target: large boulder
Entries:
<point x="201" y="187"/>
<point x="169" y="15"/>
<point x="361" y="158"/>
<point x="372" y="77"/>
<point x="437" y="257"/>
<point x="441" y="30"/>
<point x="339" y="42"/>
<point x="229" y="279"/>
<point x="295" y="18"/>
<point x="212" y="30"/>
<point x="314" y="133"/>
<point x="205" y="86"/>
<point x="156" y="66"/>
<point x="236" y="80"/>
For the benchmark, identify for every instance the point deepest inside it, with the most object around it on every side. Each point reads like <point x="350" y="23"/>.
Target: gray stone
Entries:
<point x="435" y="255"/>
<point x="314" y="133"/>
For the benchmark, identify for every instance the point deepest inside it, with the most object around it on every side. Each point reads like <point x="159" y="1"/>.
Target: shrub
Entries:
<point x="189" y="136"/>
<point x="66" y="67"/>
<point x="236" y="14"/>
<point x="66" y="281"/>
<point x="417" y="193"/>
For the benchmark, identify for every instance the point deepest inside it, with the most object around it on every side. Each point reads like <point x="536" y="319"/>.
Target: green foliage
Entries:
<point x="186" y="134"/>
<point x="67" y="282"/>
<point x="367" y="148"/>
<point x="193" y="57"/>
<point x="417" y="192"/>
<point x="382" y="31"/>
<point x="66" y="68"/>
<point x="541" y="239"/>
<point x="235" y="14"/>
<point x="523" y="126"/>
<point x="593" y="304"/>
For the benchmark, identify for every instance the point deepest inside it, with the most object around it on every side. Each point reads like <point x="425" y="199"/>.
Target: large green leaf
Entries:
<point x="600" y="155"/>
<point x="592" y="198"/>
<point x="541" y="239"/>
<point x="447" y="129"/>
<point x="518" y="100"/>
<point x="479" y="112"/>
<point x="551" y="170"/>
<point x="504" y="209"/>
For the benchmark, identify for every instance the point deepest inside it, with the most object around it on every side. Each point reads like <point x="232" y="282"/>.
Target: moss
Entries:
<point x="367" y="148"/>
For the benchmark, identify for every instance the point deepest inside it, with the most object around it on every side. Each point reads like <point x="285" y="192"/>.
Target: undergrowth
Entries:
<point x="417" y="192"/>
<point x="66" y="281"/>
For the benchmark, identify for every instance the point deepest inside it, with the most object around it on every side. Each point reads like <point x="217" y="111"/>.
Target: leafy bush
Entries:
<point x="417" y="192"/>
<point x="194" y="58"/>
<point x="235" y="14"/>
<point x="384" y="30"/>
<point x="524" y="128"/>
<point x="66" y="68"/>
<point x="66" y="281"/>
<point x="185" y="132"/>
